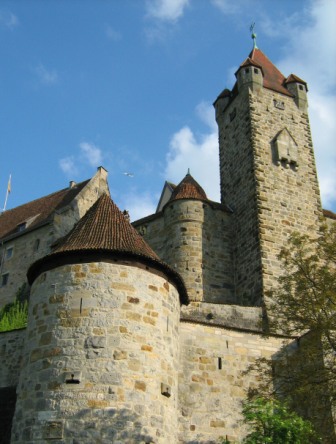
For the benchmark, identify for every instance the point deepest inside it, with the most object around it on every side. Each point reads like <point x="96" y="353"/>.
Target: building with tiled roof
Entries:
<point x="146" y="332"/>
<point x="28" y="231"/>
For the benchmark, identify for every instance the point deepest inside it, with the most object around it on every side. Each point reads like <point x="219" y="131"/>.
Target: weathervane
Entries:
<point x="254" y="36"/>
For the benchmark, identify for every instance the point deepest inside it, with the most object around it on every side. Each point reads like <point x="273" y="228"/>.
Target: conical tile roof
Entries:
<point x="188" y="188"/>
<point x="104" y="233"/>
<point x="105" y="227"/>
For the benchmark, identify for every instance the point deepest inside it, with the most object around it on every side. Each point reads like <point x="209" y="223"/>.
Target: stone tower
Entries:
<point x="184" y="233"/>
<point x="102" y="346"/>
<point x="267" y="170"/>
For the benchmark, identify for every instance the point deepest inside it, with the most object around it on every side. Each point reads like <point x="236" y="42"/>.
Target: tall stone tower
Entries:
<point x="102" y="346"/>
<point x="267" y="170"/>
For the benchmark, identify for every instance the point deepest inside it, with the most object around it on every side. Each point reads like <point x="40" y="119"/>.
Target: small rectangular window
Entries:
<point x="22" y="226"/>
<point x="36" y="244"/>
<point x="9" y="253"/>
<point x="4" y="279"/>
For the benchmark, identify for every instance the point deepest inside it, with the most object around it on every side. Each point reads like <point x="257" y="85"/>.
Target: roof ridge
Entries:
<point x="46" y="196"/>
<point x="188" y="188"/>
<point x="104" y="232"/>
<point x="104" y="226"/>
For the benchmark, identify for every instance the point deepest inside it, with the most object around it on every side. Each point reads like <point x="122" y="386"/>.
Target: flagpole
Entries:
<point x="8" y="191"/>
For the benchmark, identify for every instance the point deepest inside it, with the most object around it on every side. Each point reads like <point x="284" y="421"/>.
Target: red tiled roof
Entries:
<point x="104" y="232"/>
<point x="292" y="78"/>
<point x="273" y="78"/>
<point x="188" y="188"/>
<point x="40" y="210"/>
<point x="249" y="62"/>
<point x="329" y="214"/>
<point x="104" y="227"/>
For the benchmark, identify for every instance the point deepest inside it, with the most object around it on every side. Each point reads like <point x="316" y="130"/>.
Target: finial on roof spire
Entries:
<point x="188" y="172"/>
<point x="254" y="36"/>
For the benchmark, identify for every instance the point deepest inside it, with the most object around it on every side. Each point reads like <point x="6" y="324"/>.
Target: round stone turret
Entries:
<point x="101" y="356"/>
<point x="193" y="246"/>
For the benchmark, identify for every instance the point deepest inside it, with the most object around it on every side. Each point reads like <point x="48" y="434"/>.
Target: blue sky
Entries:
<point x="129" y="84"/>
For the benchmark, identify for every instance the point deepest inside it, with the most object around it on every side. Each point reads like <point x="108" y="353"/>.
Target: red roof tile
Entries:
<point x="273" y="78"/>
<point x="329" y="214"/>
<point x="104" y="232"/>
<point x="292" y="78"/>
<point x="188" y="188"/>
<point x="104" y="227"/>
<point x="38" y="211"/>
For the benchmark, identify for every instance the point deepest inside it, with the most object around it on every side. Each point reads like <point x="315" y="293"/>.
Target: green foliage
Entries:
<point x="304" y="306"/>
<point x="306" y="296"/>
<point x="272" y="422"/>
<point x="14" y="315"/>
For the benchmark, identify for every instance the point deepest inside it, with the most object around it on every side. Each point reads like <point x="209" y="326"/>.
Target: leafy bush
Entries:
<point x="272" y="422"/>
<point x="14" y="315"/>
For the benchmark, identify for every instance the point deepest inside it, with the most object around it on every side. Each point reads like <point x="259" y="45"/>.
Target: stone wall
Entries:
<point x="193" y="238"/>
<point x="213" y="382"/>
<point x="271" y="195"/>
<point x="101" y="357"/>
<point x="30" y="246"/>
<point x="27" y="248"/>
<point x="11" y="350"/>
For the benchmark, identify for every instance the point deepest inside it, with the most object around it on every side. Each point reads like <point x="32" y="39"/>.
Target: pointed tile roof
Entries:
<point x="104" y="227"/>
<point x="36" y="212"/>
<point x="292" y="78"/>
<point x="273" y="78"/>
<point x="103" y="232"/>
<point x="188" y="188"/>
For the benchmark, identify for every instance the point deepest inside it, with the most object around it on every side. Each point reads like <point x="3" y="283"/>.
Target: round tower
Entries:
<point x="101" y="356"/>
<point x="193" y="247"/>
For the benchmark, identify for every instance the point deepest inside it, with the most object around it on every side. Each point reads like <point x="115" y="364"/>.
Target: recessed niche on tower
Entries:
<point x="286" y="149"/>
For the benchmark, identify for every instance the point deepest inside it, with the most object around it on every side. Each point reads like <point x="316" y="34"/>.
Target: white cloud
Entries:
<point x="67" y="165"/>
<point x="8" y="20"/>
<point x="138" y="204"/>
<point x="166" y="10"/>
<point x="312" y="56"/>
<point x="228" y="6"/>
<point x="112" y="34"/>
<point x="91" y="153"/>
<point x="200" y="154"/>
<point x="310" y="53"/>
<point x="46" y="76"/>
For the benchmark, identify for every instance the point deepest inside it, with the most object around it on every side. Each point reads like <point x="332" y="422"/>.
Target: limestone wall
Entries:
<point x="32" y="245"/>
<point x="268" y="178"/>
<point x="193" y="237"/>
<point x="11" y="350"/>
<point x="212" y="383"/>
<point x="101" y="357"/>
<point x="27" y="248"/>
<point x="65" y="218"/>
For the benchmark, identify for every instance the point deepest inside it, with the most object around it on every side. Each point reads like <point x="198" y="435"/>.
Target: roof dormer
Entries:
<point x="250" y="74"/>
<point x="299" y="89"/>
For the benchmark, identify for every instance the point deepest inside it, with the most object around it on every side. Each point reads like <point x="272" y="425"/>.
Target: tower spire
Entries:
<point x="254" y="36"/>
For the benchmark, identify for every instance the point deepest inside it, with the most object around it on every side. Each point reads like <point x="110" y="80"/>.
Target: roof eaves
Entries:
<point x="54" y="260"/>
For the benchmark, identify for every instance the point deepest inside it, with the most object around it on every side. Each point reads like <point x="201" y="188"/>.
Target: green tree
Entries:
<point x="304" y="308"/>
<point x="272" y="422"/>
